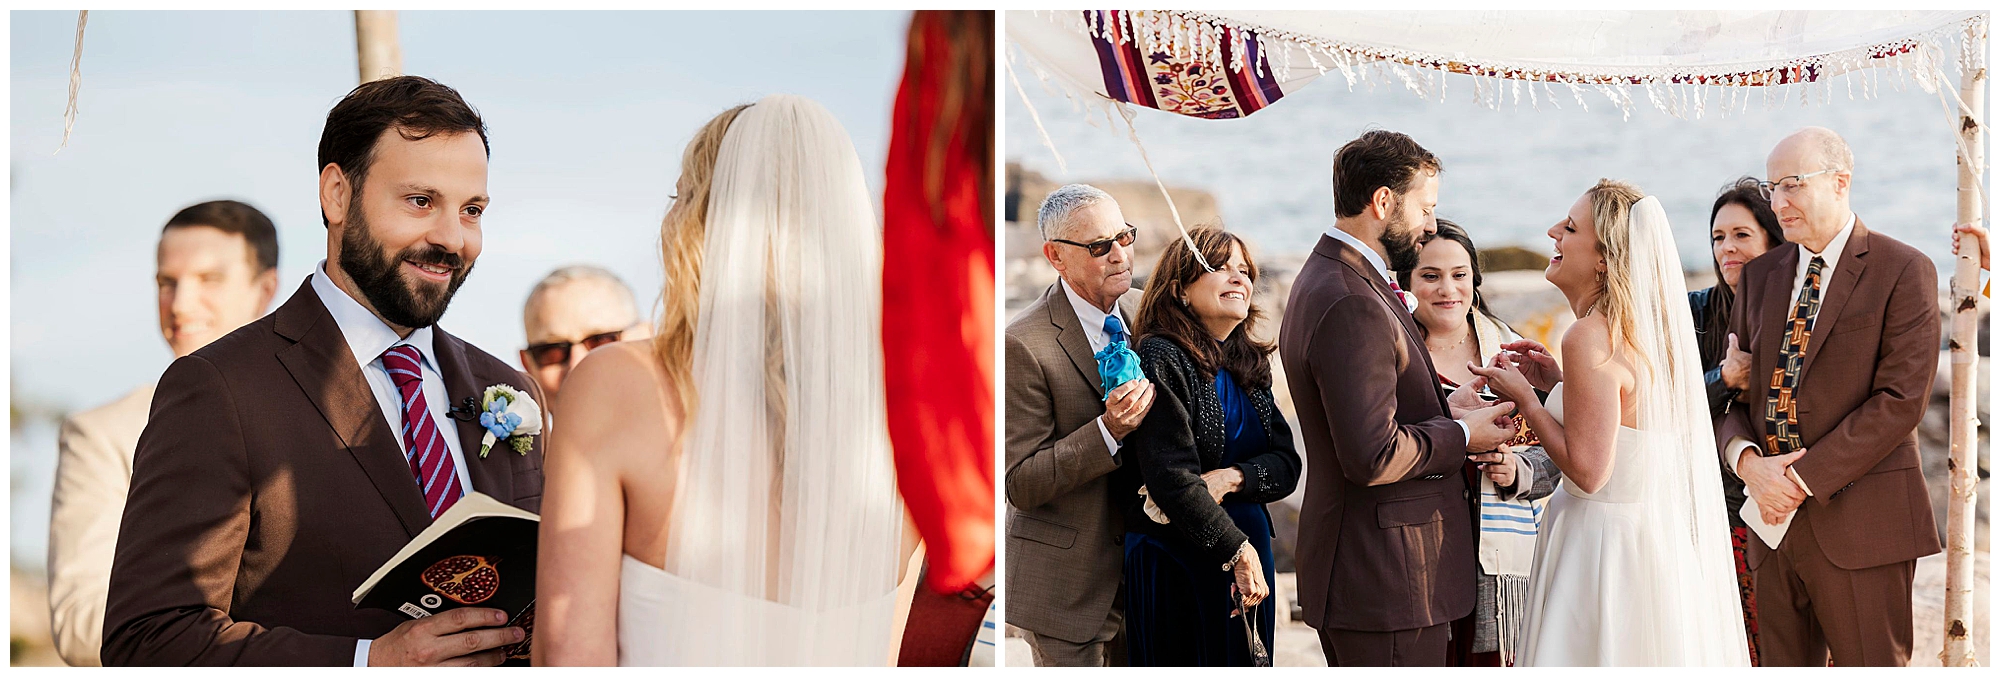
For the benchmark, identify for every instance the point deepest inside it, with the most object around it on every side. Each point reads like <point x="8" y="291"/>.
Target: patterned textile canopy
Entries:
<point x="1688" y="64"/>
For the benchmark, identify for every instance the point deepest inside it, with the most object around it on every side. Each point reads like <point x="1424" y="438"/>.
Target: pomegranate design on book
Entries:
<point x="466" y="579"/>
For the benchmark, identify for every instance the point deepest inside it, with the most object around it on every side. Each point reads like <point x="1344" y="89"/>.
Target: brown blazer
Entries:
<point x="1386" y="538"/>
<point x="1861" y="393"/>
<point x="268" y="486"/>
<point x="1064" y="557"/>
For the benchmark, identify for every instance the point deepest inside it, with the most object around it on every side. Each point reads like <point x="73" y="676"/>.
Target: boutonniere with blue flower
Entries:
<point x="508" y="414"/>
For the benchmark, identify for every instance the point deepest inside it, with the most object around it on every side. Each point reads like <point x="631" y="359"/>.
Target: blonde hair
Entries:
<point x="682" y="236"/>
<point x="1611" y="207"/>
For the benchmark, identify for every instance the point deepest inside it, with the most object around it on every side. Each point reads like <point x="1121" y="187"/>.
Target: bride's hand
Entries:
<point x="1536" y="363"/>
<point x="1505" y="379"/>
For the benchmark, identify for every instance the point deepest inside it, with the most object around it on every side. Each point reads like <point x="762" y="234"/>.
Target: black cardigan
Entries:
<point x="1170" y="452"/>
<point x="1720" y="397"/>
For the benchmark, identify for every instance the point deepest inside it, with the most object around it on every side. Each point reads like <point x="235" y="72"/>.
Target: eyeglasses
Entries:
<point x="1787" y="184"/>
<point x="1101" y="247"/>
<point x="551" y="354"/>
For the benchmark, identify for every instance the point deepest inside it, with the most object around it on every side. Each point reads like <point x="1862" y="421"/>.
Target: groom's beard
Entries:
<point x="1397" y="245"/>
<point x="379" y="275"/>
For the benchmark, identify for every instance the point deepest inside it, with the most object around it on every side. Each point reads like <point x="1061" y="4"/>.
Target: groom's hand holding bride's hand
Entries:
<point x="1487" y="428"/>
<point x="463" y="637"/>
<point x="1506" y="379"/>
<point x="1535" y="362"/>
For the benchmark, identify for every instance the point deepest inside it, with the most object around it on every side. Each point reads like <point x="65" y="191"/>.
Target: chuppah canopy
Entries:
<point x="1228" y="64"/>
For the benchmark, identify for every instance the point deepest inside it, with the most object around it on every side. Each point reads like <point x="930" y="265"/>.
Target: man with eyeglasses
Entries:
<point x="1840" y="326"/>
<point x="1064" y="556"/>
<point x="575" y="310"/>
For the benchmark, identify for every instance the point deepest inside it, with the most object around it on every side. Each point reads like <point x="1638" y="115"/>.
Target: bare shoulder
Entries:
<point x="617" y="399"/>
<point x="1588" y="341"/>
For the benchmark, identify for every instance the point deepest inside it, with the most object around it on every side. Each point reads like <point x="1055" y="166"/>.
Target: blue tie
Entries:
<point x="1114" y="329"/>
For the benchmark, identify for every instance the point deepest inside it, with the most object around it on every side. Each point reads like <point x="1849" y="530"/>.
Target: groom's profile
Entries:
<point x="285" y="462"/>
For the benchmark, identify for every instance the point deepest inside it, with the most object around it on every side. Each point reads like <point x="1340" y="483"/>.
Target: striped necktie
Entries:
<point x="423" y="444"/>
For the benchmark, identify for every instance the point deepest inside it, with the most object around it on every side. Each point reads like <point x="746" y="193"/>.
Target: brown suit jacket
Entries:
<point x="1064" y="557"/>
<point x="268" y="486"/>
<point x="1861" y="393"/>
<point x="1386" y="539"/>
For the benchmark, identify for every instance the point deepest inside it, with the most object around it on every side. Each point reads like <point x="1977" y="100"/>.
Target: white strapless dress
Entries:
<point x="667" y="620"/>
<point x="1589" y="603"/>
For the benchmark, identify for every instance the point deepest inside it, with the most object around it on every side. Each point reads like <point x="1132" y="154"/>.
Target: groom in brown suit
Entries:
<point x="1386" y="553"/>
<point x="1842" y="329"/>
<point x="285" y="462"/>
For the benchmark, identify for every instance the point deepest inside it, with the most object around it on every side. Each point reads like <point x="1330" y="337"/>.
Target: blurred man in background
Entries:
<point x="217" y="270"/>
<point x="574" y="310"/>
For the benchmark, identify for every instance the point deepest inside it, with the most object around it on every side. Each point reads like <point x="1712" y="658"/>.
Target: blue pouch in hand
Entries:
<point x="1116" y="364"/>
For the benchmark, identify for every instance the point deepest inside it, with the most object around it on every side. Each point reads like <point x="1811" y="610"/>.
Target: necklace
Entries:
<point x="1461" y="341"/>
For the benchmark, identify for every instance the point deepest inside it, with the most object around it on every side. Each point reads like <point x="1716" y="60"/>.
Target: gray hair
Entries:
<point x="1062" y="204"/>
<point x="575" y="273"/>
<point x="1832" y="150"/>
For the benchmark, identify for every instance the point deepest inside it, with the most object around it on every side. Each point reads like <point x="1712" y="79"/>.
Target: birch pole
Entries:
<point x="375" y="40"/>
<point x="1965" y="293"/>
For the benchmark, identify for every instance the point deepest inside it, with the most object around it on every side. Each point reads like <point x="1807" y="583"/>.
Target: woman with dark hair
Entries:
<point x="1210" y="454"/>
<point x="1741" y="227"/>
<point x="1458" y="330"/>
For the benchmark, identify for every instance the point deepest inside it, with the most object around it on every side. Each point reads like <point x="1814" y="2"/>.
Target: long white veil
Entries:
<point x="1701" y="615"/>
<point x="786" y="513"/>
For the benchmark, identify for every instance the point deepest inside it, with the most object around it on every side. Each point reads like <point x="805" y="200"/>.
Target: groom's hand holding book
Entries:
<point x="462" y="637"/>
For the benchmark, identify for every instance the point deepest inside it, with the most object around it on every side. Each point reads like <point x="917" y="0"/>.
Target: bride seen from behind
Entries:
<point x="1631" y="566"/>
<point x="724" y="494"/>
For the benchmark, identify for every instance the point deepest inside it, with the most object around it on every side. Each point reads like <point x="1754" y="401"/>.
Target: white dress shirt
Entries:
<point x="368" y="337"/>
<point x="1093" y="331"/>
<point x="1382" y="269"/>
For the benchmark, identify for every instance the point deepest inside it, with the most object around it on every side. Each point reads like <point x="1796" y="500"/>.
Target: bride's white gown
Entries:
<point x="1610" y="587"/>
<point x="665" y="619"/>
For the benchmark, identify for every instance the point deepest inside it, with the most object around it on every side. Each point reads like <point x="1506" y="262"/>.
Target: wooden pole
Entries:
<point x="1965" y="294"/>
<point x="375" y="40"/>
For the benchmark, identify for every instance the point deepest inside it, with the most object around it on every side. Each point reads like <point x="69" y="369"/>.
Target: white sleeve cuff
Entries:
<point x="361" y="652"/>
<point x="1465" y="430"/>
<point x="1109" y="441"/>
<point x="1735" y="452"/>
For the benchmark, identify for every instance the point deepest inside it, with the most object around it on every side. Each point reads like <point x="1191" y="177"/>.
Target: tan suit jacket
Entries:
<point x="1064" y="557"/>
<point x="93" y="470"/>
<point x="1861" y="393"/>
<point x="1386" y="539"/>
<point x="268" y="485"/>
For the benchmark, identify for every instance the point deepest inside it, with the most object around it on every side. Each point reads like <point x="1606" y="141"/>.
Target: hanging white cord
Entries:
<point x="75" y="80"/>
<point x="1125" y="111"/>
<point x="1032" y="115"/>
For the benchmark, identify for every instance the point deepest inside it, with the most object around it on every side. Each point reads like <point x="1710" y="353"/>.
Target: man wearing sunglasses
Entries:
<point x="575" y="310"/>
<point x="1840" y="325"/>
<point x="1064" y="560"/>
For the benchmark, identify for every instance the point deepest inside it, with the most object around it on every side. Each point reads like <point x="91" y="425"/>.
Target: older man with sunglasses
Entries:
<point x="575" y="310"/>
<point x="1064" y="562"/>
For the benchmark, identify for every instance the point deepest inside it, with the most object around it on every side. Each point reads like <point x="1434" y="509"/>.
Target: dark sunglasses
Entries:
<point x="551" y="354"/>
<point x="1101" y="247"/>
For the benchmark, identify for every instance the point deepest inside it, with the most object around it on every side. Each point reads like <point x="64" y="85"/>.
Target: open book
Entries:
<point x="479" y="553"/>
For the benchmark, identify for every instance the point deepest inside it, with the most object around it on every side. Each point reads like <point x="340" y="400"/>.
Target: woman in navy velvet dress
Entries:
<point x="1210" y="454"/>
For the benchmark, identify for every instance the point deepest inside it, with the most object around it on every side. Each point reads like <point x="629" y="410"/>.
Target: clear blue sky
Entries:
<point x="587" y="113"/>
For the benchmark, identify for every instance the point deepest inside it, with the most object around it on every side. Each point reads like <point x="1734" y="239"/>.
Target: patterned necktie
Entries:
<point x="1781" y="409"/>
<point x="1114" y="330"/>
<point x="423" y="443"/>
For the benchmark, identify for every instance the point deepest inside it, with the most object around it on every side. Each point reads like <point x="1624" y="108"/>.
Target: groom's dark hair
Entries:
<point x="1377" y="159"/>
<point x="416" y="107"/>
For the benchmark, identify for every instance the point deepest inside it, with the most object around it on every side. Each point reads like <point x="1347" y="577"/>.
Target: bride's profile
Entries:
<point x="724" y="494"/>
<point x="1630" y="568"/>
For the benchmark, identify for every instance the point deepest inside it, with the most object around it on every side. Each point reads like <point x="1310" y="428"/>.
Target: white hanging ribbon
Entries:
<point x="1125" y="111"/>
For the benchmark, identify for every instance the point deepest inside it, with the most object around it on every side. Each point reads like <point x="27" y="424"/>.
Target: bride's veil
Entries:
<point x="786" y="494"/>
<point x="1682" y="476"/>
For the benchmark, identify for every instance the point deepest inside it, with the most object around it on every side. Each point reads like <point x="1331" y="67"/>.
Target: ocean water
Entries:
<point x="1509" y="173"/>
